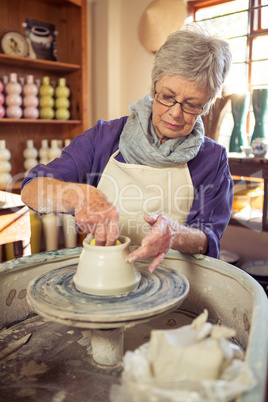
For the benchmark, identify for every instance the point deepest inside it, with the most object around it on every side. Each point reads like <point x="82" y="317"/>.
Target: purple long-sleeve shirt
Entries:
<point x="84" y="160"/>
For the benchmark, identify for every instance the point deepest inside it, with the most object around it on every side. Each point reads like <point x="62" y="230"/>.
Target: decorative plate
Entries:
<point x="14" y="43"/>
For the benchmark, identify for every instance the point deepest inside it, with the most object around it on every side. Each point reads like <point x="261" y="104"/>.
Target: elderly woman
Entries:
<point x="153" y="175"/>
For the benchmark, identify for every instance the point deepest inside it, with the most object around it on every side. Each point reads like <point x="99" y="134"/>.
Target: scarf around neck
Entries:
<point x="140" y="145"/>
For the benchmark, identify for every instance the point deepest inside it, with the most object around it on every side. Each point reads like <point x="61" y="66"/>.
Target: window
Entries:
<point x="244" y="23"/>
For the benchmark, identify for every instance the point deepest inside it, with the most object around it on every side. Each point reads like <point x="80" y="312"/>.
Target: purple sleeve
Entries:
<point x="84" y="160"/>
<point x="213" y="184"/>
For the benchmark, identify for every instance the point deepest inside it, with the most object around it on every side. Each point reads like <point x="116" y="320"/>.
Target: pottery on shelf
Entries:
<point x="46" y="92"/>
<point x="51" y="224"/>
<point x="259" y="147"/>
<point x="5" y="166"/>
<point x="13" y="98"/>
<point x="62" y="103"/>
<point x="30" y="100"/>
<point x="259" y="103"/>
<point x="246" y="149"/>
<point x="43" y="152"/>
<point x="69" y="230"/>
<point x="30" y="154"/>
<point x="42" y="42"/>
<point x="2" y="101"/>
<point x="104" y="271"/>
<point x="240" y="104"/>
<point x="54" y="150"/>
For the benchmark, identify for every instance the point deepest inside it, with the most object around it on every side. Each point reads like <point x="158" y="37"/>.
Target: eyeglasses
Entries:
<point x="186" y="107"/>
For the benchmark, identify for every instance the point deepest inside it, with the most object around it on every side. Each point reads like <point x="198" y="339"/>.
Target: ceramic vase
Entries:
<point x="62" y="102"/>
<point x="42" y="42"/>
<point x="69" y="230"/>
<point x="2" y="101"/>
<point x="104" y="270"/>
<point x="54" y="150"/>
<point x="240" y="105"/>
<point x="13" y="98"/>
<point x="46" y="92"/>
<point x="30" y="100"/>
<point x="5" y="166"/>
<point x="67" y="142"/>
<point x="51" y="231"/>
<point x="259" y="147"/>
<point x="259" y="103"/>
<point x="36" y="229"/>
<point x="30" y="155"/>
<point x="43" y="152"/>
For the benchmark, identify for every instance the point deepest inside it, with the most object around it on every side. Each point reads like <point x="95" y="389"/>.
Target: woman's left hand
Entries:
<point x="157" y="242"/>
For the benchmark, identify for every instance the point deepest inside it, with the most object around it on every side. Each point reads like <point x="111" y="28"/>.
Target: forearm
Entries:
<point x="47" y="195"/>
<point x="189" y="240"/>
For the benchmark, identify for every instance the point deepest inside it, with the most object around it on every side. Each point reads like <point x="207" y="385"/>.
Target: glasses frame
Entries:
<point x="180" y="103"/>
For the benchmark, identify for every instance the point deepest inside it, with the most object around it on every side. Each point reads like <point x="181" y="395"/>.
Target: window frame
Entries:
<point x="254" y="26"/>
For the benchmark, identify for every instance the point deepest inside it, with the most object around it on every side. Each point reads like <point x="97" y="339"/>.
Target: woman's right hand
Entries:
<point x="94" y="213"/>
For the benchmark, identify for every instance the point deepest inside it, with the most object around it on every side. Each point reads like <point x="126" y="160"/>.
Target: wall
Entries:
<point x="121" y="67"/>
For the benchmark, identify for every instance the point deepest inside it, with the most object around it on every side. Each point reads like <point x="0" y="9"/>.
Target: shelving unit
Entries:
<point x="255" y="168"/>
<point x="70" y="20"/>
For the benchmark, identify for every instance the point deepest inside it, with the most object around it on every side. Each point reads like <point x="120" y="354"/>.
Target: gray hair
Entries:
<point x="193" y="54"/>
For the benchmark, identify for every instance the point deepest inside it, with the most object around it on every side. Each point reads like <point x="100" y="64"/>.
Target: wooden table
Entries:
<point x="14" y="224"/>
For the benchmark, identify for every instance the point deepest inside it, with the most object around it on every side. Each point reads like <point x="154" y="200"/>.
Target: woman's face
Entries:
<point x="172" y="122"/>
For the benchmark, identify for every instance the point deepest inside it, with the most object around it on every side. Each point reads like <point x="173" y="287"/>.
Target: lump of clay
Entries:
<point x="195" y="362"/>
<point x="194" y="351"/>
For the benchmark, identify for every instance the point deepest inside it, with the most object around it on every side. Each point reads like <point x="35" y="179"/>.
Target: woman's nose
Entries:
<point x="176" y="110"/>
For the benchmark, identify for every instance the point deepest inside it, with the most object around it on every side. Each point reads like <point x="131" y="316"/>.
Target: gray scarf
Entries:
<point x="140" y="145"/>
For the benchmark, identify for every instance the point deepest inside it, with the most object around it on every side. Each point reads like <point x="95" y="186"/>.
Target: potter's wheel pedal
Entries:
<point x="54" y="296"/>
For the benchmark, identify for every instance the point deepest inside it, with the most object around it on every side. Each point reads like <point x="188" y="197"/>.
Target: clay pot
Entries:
<point x="104" y="271"/>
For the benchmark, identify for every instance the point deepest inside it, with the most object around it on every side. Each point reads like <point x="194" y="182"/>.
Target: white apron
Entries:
<point x="137" y="190"/>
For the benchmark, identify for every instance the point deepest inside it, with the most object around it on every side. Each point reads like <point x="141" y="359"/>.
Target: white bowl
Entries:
<point x="246" y="149"/>
<point x="103" y="271"/>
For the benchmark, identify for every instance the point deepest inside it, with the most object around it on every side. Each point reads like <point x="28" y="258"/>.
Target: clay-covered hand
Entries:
<point x="157" y="242"/>
<point x="95" y="214"/>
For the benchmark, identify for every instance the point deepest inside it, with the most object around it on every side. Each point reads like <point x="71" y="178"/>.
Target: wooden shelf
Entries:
<point x="38" y="121"/>
<point x="36" y="64"/>
<point x="70" y="20"/>
<point x="76" y="2"/>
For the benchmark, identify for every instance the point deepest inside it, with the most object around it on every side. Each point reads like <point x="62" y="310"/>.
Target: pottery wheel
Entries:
<point x="54" y="296"/>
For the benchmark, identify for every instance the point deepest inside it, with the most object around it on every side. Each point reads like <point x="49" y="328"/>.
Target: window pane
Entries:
<point x="264" y="17"/>
<point x="260" y="48"/>
<point x="221" y="9"/>
<point x="237" y="81"/>
<point x="229" y="25"/>
<point x="259" y="73"/>
<point x="239" y="49"/>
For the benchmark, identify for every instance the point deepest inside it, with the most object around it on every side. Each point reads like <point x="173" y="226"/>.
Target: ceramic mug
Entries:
<point x="103" y="271"/>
